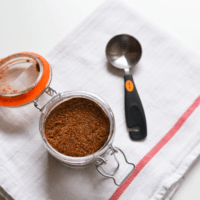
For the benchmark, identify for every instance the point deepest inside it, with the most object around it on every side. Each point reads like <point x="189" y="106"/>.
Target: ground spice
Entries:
<point x="78" y="127"/>
<point x="38" y="67"/>
<point x="5" y="87"/>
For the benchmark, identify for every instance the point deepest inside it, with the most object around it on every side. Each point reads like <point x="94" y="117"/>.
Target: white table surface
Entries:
<point x="38" y="25"/>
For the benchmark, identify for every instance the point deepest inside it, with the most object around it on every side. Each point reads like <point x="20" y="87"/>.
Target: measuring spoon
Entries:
<point x="124" y="51"/>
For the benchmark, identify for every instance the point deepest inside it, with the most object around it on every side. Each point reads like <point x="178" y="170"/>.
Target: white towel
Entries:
<point x="167" y="79"/>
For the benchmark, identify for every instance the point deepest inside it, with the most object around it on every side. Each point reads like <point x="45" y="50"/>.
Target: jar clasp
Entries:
<point x="50" y="92"/>
<point x="102" y="161"/>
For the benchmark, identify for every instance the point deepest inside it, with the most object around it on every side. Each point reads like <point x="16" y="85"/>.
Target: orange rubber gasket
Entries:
<point x="35" y="92"/>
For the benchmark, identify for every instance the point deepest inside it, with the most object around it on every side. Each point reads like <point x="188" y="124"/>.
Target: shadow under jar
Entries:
<point x="15" y="98"/>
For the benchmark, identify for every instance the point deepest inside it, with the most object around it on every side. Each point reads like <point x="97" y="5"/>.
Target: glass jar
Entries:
<point x="62" y="97"/>
<point x="96" y="158"/>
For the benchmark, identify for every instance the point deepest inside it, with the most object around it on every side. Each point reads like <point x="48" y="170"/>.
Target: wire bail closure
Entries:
<point x="50" y="92"/>
<point x="102" y="161"/>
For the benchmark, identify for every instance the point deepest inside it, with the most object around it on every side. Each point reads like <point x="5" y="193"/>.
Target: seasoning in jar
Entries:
<point x="77" y="127"/>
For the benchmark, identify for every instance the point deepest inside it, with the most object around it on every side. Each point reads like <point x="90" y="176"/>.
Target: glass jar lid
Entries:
<point x="23" y="78"/>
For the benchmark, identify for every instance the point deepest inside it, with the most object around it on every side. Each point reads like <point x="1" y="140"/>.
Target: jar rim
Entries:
<point x="19" y="58"/>
<point x="62" y="97"/>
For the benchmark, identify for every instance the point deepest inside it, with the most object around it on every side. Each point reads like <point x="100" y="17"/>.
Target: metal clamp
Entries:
<point x="50" y="92"/>
<point x="102" y="161"/>
<point x="36" y="105"/>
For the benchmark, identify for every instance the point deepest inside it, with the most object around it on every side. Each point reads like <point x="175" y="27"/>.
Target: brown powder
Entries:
<point x="5" y="87"/>
<point x="38" y="67"/>
<point x="78" y="127"/>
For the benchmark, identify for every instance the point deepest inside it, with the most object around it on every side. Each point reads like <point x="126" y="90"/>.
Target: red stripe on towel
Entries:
<point x="155" y="149"/>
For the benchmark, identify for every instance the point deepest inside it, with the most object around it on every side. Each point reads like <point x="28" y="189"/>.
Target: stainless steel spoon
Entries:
<point x="124" y="51"/>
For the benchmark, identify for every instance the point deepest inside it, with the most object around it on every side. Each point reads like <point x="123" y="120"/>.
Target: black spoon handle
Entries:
<point x="135" y="116"/>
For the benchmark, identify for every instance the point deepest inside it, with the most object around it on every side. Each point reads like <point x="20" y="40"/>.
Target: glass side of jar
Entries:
<point x="77" y="161"/>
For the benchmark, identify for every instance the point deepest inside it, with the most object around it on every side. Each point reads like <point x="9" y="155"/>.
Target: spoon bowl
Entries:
<point x="123" y="51"/>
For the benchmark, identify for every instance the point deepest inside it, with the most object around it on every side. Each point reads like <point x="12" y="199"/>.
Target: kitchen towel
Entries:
<point x="167" y="79"/>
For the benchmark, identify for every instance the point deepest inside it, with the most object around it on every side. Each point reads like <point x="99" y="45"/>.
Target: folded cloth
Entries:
<point x="167" y="81"/>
